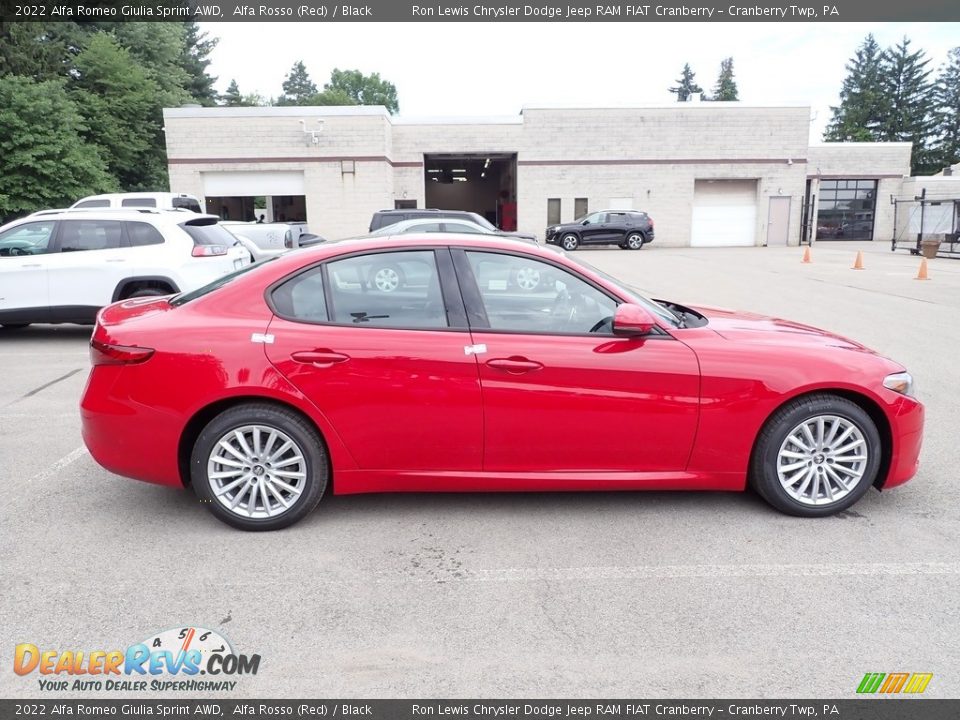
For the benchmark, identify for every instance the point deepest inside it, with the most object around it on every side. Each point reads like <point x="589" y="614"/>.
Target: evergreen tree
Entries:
<point x="232" y="97"/>
<point x="43" y="160"/>
<point x="911" y="98"/>
<point x="298" y="88"/>
<point x="863" y="103"/>
<point x="947" y="131"/>
<point x="726" y="87"/>
<point x="194" y="61"/>
<point x="686" y="86"/>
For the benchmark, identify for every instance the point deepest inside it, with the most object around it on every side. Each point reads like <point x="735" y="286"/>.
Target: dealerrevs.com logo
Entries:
<point x="181" y="659"/>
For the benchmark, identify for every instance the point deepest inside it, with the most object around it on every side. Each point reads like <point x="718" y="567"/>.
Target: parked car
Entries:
<point x="62" y="266"/>
<point x="262" y="240"/>
<point x="261" y="389"/>
<point x="446" y="225"/>
<point x="383" y="218"/>
<point x="630" y="229"/>
<point x="157" y="200"/>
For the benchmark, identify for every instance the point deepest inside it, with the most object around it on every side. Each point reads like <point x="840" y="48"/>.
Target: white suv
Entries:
<point x="62" y="266"/>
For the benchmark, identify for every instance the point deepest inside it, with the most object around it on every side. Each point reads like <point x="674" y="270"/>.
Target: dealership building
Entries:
<point x="709" y="173"/>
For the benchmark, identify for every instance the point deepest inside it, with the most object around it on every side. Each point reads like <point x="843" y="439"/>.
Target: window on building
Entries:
<point x="553" y="211"/>
<point x="846" y="209"/>
<point x="580" y="208"/>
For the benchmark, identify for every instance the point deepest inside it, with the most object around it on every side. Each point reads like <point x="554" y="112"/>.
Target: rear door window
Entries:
<point x="93" y="204"/>
<point x="86" y="235"/>
<point x="138" y="202"/>
<point x="301" y="298"/>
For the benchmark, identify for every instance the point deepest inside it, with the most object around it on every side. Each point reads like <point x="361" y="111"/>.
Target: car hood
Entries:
<point x="748" y="327"/>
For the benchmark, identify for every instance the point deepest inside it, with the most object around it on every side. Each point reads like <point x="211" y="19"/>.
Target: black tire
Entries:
<point x="297" y="429"/>
<point x="634" y="240"/>
<point x="14" y="326"/>
<point x="147" y="292"/>
<point x="764" y="476"/>
<point x="569" y="242"/>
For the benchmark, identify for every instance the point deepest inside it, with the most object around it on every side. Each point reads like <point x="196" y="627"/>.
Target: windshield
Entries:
<point x="184" y="298"/>
<point x="630" y="293"/>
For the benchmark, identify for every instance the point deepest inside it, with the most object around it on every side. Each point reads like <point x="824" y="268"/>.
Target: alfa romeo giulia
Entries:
<point x="426" y="364"/>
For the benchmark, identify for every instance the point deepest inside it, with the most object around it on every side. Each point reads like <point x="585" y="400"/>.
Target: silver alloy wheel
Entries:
<point x="635" y="241"/>
<point x="822" y="460"/>
<point x="528" y="278"/>
<point x="257" y="471"/>
<point x="386" y="279"/>
<point x="570" y="242"/>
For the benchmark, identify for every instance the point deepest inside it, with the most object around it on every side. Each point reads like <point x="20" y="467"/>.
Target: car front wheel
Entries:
<point x="816" y="456"/>
<point x="259" y="467"/>
<point x="570" y="242"/>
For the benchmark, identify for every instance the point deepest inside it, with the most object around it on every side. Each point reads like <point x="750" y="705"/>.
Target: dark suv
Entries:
<point x="383" y="218"/>
<point x="630" y="229"/>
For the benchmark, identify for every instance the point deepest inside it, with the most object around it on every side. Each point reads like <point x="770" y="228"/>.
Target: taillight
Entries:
<point x="651" y="220"/>
<point x="102" y="353"/>
<point x="208" y="250"/>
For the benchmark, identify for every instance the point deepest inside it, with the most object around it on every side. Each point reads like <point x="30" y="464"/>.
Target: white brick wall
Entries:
<point x="653" y="155"/>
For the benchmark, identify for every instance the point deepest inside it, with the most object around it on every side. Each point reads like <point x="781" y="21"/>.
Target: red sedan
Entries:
<point x="451" y="363"/>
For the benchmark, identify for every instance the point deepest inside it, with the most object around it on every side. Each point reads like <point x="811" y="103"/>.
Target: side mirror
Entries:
<point x="632" y="321"/>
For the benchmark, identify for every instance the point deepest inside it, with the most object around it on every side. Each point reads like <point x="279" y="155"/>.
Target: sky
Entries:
<point x="470" y="69"/>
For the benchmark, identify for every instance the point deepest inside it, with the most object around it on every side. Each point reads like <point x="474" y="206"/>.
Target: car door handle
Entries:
<point x="31" y="265"/>
<point x="116" y="259"/>
<point x="319" y="358"/>
<point x="515" y="364"/>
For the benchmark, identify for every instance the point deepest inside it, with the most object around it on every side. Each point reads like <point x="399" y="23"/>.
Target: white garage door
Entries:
<point x="241" y="184"/>
<point x="724" y="213"/>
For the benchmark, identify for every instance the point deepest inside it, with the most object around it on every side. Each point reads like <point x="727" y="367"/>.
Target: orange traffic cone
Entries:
<point x="806" y="255"/>
<point x="858" y="263"/>
<point x="922" y="273"/>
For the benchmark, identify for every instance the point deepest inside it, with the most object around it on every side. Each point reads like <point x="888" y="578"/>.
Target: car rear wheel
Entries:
<point x="259" y="467"/>
<point x="387" y="278"/>
<point x="634" y="241"/>
<point x="569" y="242"/>
<point x="147" y="292"/>
<point x="816" y="456"/>
<point x="527" y="278"/>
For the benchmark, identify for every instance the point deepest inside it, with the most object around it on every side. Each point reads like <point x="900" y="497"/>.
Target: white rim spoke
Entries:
<point x="812" y="465"/>
<point x="257" y="471"/>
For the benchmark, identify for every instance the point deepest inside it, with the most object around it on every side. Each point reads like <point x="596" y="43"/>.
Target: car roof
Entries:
<point x="397" y="211"/>
<point x="421" y="221"/>
<point x="131" y="195"/>
<point x="160" y="216"/>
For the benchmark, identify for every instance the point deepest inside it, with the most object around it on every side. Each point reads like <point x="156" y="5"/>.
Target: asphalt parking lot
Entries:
<point x="571" y="595"/>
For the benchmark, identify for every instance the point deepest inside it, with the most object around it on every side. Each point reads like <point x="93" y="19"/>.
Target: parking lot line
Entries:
<point x="59" y="465"/>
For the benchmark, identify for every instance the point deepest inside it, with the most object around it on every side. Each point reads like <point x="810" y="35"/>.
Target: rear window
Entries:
<point x="208" y="232"/>
<point x="190" y="204"/>
<point x="138" y="202"/>
<point x="93" y="204"/>
<point x="184" y="298"/>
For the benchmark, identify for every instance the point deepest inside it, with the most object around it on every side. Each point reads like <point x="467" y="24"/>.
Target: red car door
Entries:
<point x="561" y="393"/>
<point x="369" y="341"/>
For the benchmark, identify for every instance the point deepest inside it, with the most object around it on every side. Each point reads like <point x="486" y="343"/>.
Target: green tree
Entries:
<point x="119" y="102"/>
<point x="44" y="161"/>
<point x="332" y="97"/>
<point x="911" y="102"/>
<point x="194" y="60"/>
<point x="361" y="89"/>
<point x="686" y="85"/>
<point x="39" y="51"/>
<point x="298" y="88"/>
<point x="232" y="97"/>
<point x="864" y="104"/>
<point x="946" y="145"/>
<point x="157" y="49"/>
<point x="726" y="87"/>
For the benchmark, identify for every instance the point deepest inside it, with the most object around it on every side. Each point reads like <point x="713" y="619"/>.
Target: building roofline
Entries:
<point x="278" y="111"/>
<point x="714" y="104"/>
<point x="875" y="143"/>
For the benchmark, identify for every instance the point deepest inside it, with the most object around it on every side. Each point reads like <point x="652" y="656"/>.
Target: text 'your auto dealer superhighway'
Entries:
<point x="557" y="12"/>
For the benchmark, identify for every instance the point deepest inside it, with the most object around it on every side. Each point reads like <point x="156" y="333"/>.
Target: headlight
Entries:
<point x="901" y="382"/>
